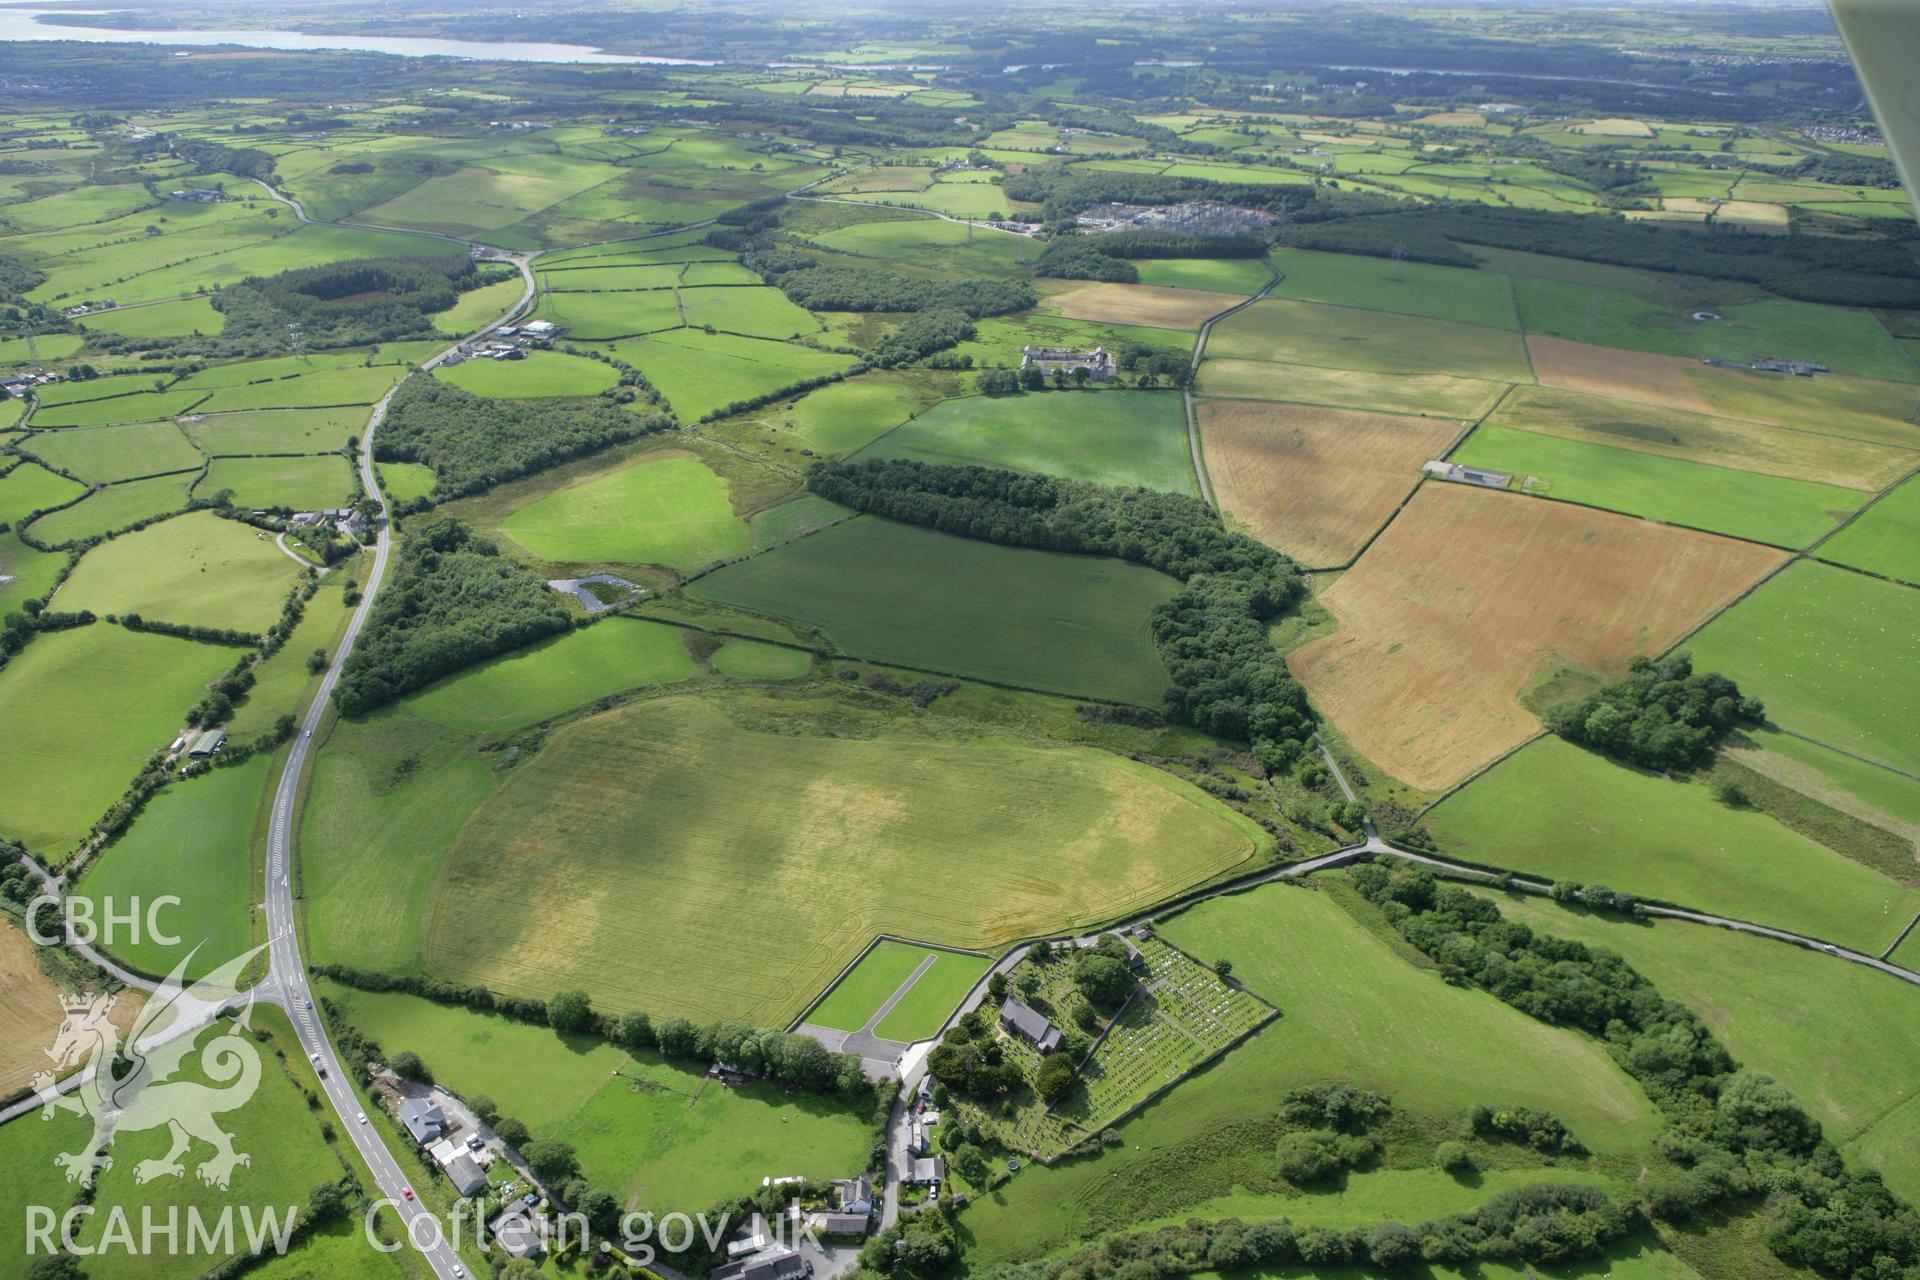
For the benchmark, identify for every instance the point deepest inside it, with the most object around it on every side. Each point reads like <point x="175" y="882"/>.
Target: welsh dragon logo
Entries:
<point x="134" y="1087"/>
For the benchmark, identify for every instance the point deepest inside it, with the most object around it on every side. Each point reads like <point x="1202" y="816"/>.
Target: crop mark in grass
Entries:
<point x="723" y="805"/>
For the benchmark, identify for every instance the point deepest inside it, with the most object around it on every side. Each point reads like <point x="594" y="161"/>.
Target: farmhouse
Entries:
<point x="516" y="1231"/>
<point x="465" y="1175"/>
<point x="198" y="195"/>
<point x="1468" y="475"/>
<point x="1022" y="1021"/>
<point x="927" y="1171"/>
<point x="1097" y="362"/>
<point x="856" y="1194"/>
<point x="424" y="1120"/>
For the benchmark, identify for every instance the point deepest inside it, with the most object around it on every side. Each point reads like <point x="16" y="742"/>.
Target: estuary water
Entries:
<point x="25" y="24"/>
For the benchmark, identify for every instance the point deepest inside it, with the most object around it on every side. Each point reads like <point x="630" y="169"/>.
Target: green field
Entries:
<point x="1852" y="341"/>
<point x="194" y="841"/>
<point x="756" y="312"/>
<point x="196" y="569"/>
<point x="1374" y="341"/>
<point x="103" y="455"/>
<point x="85" y="709"/>
<point x="901" y="594"/>
<point x="275" y="1127"/>
<point x="957" y="248"/>
<point x="277" y="430"/>
<point x="473" y="200"/>
<point x="296" y="484"/>
<point x="29" y="487"/>
<point x="268" y="369"/>
<point x="478" y="307"/>
<point x="405" y="481"/>
<point x="1123" y="438"/>
<point x="1587" y="313"/>
<point x="1410" y="288"/>
<point x="1792" y="1013"/>
<point x="865" y="987"/>
<point x="858" y="997"/>
<point x="794" y="518"/>
<point x="545" y="679"/>
<point x="1555" y="810"/>
<point x="1874" y="793"/>
<point x="52" y="346"/>
<point x="143" y="406"/>
<point x="113" y="508"/>
<point x="1787" y="513"/>
<point x="542" y="373"/>
<point x="666" y="510"/>
<point x="612" y="315"/>
<point x="1885" y="539"/>
<point x="1352" y="1009"/>
<point x="1224" y="275"/>
<point x="673" y="1142"/>
<point x="161" y="320"/>
<point x="1834" y="655"/>
<point x="755" y="660"/>
<point x="324" y="389"/>
<point x="700" y="373"/>
<point x="838" y="419"/>
<point x="931" y="1001"/>
<point x="965" y="844"/>
<point x="28" y="572"/>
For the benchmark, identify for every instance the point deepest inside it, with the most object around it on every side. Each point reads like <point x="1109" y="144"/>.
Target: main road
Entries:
<point x="286" y="982"/>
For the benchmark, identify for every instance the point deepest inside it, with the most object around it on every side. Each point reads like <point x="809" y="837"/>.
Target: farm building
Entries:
<point x="845" y="1224"/>
<point x="778" y="1263"/>
<point x="1025" y="1022"/>
<point x="424" y="1120"/>
<point x="1468" y="475"/>
<point x="1097" y="362"/>
<point x="208" y="743"/>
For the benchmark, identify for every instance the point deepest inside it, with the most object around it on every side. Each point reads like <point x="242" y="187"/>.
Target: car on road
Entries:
<point x="1830" y="949"/>
<point x="407" y="1192"/>
<point x="363" y="1117"/>
<point x="459" y="1272"/>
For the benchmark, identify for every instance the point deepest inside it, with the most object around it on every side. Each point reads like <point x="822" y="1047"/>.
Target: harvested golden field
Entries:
<point x="666" y="858"/>
<point x="1869" y="409"/>
<point x="30" y="1012"/>
<point x="1158" y="306"/>
<point x="1726" y="442"/>
<point x="1611" y="371"/>
<point x="1754" y="216"/>
<point x="1469" y="591"/>
<point x="1314" y="483"/>
<point x="1430" y="394"/>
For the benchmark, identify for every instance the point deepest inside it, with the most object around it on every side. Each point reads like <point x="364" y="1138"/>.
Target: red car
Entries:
<point x="407" y="1192"/>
